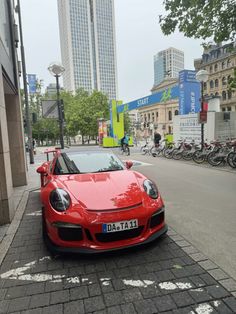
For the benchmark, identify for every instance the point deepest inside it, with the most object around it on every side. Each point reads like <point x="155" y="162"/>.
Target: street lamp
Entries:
<point x="202" y="76"/>
<point x="56" y="69"/>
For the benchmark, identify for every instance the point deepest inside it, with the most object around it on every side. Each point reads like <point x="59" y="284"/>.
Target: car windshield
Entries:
<point x="76" y="163"/>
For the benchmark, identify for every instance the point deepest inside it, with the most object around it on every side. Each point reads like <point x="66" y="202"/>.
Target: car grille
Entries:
<point x="118" y="236"/>
<point x="157" y="219"/>
<point x="70" y="234"/>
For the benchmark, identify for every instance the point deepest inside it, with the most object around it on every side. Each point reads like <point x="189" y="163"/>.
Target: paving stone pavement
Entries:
<point x="170" y="277"/>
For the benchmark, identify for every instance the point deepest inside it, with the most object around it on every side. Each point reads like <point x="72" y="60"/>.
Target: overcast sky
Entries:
<point x="138" y="38"/>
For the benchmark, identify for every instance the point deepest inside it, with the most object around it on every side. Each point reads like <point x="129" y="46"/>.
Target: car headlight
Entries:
<point x="60" y="200"/>
<point x="151" y="189"/>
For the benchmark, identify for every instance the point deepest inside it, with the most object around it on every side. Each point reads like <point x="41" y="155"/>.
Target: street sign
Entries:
<point x="202" y="117"/>
<point x="50" y="109"/>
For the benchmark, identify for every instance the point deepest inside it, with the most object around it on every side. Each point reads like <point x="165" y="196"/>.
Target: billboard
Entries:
<point x="32" y="81"/>
<point x="160" y="97"/>
<point x="189" y="92"/>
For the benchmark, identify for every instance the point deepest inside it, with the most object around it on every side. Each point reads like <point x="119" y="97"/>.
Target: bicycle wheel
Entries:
<point x="144" y="151"/>
<point x="231" y="159"/>
<point x="177" y="154"/>
<point x="168" y="153"/>
<point x="187" y="155"/>
<point x="127" y="151"/>
<point x="199" y="156"/>
<point x="213" y="159"/>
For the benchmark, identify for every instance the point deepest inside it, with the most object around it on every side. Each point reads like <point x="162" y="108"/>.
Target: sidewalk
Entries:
<point x="170" y="276"/>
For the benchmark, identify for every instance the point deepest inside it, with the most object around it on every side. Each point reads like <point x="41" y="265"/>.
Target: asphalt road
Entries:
<point x="200" y="205"/>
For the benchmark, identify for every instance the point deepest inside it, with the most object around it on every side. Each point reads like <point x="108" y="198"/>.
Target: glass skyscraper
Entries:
<point x="168" y="63"/>
<point x="87" y="35"/>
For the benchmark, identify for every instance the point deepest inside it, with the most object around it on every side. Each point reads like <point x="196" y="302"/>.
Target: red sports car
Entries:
<point x="93" y="202"/>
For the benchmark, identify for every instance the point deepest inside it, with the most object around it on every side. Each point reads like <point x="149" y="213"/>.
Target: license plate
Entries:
<point x="120" y="226"/>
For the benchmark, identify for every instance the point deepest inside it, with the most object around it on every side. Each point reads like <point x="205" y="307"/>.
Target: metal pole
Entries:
<point x="59" y="113"/>
<point x="202" y="124"/>
<point x="27" y="110"/>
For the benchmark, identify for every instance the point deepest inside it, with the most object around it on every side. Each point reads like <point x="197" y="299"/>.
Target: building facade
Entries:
<point x="12" y="169"/>
<point x="88" y="45"/>
<point x="159" y="117"/>
<point x="219" y="61"/>
<point x="167" y="64"/>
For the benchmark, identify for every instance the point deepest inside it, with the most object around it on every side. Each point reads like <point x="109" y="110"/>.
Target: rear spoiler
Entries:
<point x="53" y="151"/>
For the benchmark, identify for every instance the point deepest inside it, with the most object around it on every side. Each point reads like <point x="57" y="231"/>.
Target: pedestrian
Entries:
<point x="34" y="146"/>
<point x="157" y="138"/>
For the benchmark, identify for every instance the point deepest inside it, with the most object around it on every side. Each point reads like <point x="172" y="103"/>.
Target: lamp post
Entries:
<point x="56" y="69"/>
<point x="202" y="76"/>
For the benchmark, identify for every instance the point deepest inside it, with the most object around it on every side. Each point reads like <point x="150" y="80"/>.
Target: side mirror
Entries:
<point x="129" y="164"/>
<point x="41" y="170"/>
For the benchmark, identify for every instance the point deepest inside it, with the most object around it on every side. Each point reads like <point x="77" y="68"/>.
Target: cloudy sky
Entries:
<point x="138" y="38"/>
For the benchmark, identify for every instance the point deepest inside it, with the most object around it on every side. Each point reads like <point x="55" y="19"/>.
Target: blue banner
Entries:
<point x="189" y="92"/>
<point x="160" y="97"/>
<point x="32" y="81"/>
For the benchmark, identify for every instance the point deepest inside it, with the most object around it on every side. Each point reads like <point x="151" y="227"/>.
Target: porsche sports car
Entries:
<point x="92" y="202"/>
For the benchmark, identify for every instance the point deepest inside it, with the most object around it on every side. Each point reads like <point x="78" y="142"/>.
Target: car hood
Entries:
<point x="104" y="191"/>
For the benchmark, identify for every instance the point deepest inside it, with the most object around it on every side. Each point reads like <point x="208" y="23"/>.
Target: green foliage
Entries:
<point x="127" y="123"/>
<point x="200" y="18"/>
<point x="232" y="82"/>
<point x="83" y="110"/>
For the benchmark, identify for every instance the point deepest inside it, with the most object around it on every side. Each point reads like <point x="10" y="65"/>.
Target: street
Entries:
<point x="200" y="205"/>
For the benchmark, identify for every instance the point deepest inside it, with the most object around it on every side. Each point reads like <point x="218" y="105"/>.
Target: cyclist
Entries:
<point x="125" y="143"/>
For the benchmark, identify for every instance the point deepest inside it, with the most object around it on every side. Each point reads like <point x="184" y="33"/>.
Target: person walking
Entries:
<point x="157" y="138"/>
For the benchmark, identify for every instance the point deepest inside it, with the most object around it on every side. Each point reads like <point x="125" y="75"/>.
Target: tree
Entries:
<point x="127" y="123"/>
<point x="200" y="18"/>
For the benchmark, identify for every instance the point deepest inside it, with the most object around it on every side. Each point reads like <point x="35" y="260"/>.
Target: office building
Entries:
<point x="12" y="152"/>
<point x="87" y="35"/>
<point x="167" y="64"/>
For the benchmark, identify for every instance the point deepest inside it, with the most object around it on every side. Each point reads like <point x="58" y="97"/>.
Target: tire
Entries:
<point x="231" y="159"/>
<point x="127" y="151"/>
<point x="187" y="155"/>
<point x="168" y="153"/>
<point x="144" y="151"/>
<point x="199" y="157"/>
<point x="177" y="154"/>
<point x="212" y="159"/>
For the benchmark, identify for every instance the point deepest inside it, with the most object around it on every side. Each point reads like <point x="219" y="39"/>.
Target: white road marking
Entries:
<point x="173" y="286"/>
<point x="204" y="309"/>
<point x="138" y="283"/>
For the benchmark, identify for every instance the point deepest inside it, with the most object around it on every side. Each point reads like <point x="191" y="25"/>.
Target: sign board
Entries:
<point x="189" y="92"/>
<point x="50" y="109"/>
<point x="202" y="117"/>
<point x="187" y="127"/>
<point x="32" y="81"/>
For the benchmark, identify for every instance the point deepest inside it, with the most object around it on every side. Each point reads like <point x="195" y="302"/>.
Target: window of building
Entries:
<point x="223" y="65"/>
<point x="169" y="130"/>
<point x="229" y="108"/>
<point x="216" y="94"/>
<point x="224" y="95"/>
<point x="224" y="82"/>
<point x="229" y="94"/>
<point x="216" y="67"/>
<point x="176" y="112"/>
<point x="211" y="69"/>
<point x="205" y="85"/>
<point x="228" y="63"/>
<point x="211" y="84"/>
<point x="216" y="83"/>
<point x="149" y="117"/>
<point x="157" y="114"/>
<point x="223" y="109"/>
<point x="170" y="115"/>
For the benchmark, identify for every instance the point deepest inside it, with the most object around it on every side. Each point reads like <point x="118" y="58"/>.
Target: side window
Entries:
<point x="60" y="166"/>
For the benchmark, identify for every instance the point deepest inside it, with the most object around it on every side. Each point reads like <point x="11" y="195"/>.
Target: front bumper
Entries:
<point x="59" y="249"/>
